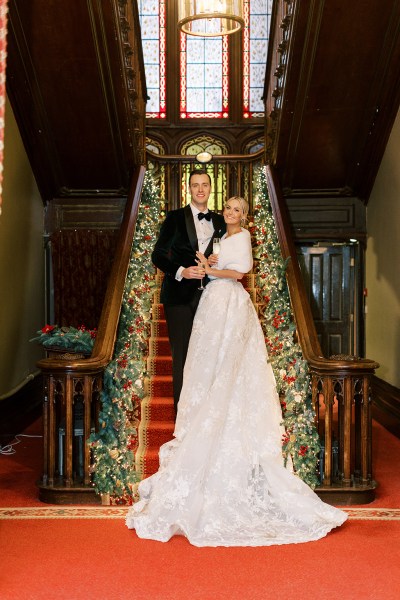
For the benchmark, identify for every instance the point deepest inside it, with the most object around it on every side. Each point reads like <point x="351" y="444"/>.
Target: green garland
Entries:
<point x="301" y="440"/>
<point x="66" y="338"/>
<point x="114" y="444"/>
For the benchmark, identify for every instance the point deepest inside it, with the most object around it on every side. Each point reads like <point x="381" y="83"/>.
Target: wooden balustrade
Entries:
<point x="72" y="385"/>
<point x="232" y="174"/>
<point x="340" y="385"/>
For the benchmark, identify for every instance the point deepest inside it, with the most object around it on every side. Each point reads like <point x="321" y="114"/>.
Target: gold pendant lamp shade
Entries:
<point x="210" y="18"/>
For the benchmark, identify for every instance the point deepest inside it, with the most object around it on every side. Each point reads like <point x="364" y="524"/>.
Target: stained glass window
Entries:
<point x="217" y="172"/>
<point x="153" y="30"/>
<point x="257" y="18"/>
<point x="157" y="170"/>
<point x="204" y="84"/>
<point x="204" y="64"/>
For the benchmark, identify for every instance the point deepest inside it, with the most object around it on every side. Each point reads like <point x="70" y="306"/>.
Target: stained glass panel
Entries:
<point x="257" y="17"/>
<point x="204" y="82"/>
<point x="153" y="30"/>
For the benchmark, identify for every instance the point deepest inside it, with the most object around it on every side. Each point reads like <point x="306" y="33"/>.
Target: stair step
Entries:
<point x="159" y="385"/>
<point x="149" y="463"/>
<point x="159" y="328"/>
<point x="158" y="433"/>
<point x="161" y="409"/>
<point x="159" y="346"/>
<point x="157" y="312"/>
<point x="159" y="365"/>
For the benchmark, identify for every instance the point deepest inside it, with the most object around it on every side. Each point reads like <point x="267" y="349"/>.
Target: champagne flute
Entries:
<point x="201" y="280"/>
<point x="216" y="245"/>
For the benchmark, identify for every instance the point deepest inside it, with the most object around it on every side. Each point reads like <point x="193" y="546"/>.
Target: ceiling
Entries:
<point x="332" y="93"/>
<point x="76" y="83"/>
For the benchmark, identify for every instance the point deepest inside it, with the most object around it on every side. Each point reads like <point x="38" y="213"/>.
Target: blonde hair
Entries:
<point x="244" y="205"/>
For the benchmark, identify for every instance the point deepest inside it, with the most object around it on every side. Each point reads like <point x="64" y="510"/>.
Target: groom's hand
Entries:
<point x="196" y="272"/>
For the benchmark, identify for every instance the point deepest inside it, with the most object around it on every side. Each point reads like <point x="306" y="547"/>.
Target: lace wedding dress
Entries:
<point x="221" y="480"/>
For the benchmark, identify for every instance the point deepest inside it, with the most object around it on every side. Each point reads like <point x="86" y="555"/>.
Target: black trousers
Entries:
<point x="179" y="319"/>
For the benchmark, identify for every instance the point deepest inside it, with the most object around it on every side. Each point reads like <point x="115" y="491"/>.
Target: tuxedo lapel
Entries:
<point x="218" y="230"/>
<point x="191" y="229"/>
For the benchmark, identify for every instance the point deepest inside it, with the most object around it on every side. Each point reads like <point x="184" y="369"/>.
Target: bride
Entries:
<point x="222" y="480"/>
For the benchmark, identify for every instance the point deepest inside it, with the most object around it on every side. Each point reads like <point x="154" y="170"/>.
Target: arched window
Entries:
<point x="217" y="172"/>
<point x="157" y="169"/>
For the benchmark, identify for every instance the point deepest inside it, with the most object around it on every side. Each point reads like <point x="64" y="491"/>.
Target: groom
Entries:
<point x="183" y="232"/>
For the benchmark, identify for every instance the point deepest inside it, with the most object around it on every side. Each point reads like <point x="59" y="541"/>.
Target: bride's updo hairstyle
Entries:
<point x="244" y="205"/>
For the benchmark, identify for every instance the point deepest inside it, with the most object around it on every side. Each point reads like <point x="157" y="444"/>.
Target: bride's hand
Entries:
<point x="201" y="260"/>
<point x="212" y="259"/>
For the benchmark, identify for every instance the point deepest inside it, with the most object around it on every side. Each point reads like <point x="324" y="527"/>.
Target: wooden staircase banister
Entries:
<point x="72" y="388"/>
<point x="107" y="329"/>
<point x="340" y="388"/>
<point x="306" y="330"/>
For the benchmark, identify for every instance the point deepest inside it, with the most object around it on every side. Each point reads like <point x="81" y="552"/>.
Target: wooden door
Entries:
<point x="329" y="275"/>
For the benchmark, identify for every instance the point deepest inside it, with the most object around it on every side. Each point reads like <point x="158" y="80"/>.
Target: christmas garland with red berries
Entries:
<point x="114" y="444"/>
<point x="301" y="441"/>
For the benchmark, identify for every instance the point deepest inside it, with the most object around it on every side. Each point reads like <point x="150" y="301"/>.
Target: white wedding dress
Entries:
<point x="221" y="480"/>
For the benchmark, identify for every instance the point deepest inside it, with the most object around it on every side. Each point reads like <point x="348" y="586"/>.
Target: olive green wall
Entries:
<point x="21" y="264"/>
<point x="383" y="265"/>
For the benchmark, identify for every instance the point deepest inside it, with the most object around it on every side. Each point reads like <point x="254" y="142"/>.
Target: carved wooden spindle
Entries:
<point x="357" y="391"/>
<point x="366" y="433"/>
<point x="348" y="402"/>
<point x="328" y="398"/>
<point x="46" y="402"/>
<point x="68" y="431"/>
<point x="56" y="390"/>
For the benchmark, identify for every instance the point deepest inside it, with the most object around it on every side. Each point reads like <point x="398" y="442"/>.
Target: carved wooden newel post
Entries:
<point x="342" y="404"/>
<point x="70" y="411"/>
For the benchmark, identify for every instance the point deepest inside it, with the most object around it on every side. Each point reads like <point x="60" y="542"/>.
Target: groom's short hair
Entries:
<point x="199" y="172"/>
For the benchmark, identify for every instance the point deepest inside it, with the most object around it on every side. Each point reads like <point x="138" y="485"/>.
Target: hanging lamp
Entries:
<point x="210" y="18"/>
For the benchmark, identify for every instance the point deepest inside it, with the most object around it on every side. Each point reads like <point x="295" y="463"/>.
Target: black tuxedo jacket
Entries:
<point x="176" y="247"/>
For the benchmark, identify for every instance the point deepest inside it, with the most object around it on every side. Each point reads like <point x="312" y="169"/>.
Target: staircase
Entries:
<point x="157" y="409"/>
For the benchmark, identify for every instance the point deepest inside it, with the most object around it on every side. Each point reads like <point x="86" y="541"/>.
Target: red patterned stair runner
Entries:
<point x="157" y="410"/>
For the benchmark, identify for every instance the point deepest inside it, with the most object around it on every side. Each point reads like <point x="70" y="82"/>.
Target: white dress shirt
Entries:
<point x="204" y="232"/>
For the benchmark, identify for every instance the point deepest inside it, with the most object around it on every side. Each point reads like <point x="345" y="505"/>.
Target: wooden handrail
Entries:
<point x="107" y="329"/>
<point x="306" y="330"/>
<point x="217" y="158"/>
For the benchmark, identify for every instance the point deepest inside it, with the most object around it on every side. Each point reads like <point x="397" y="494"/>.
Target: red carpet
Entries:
<point x="88" y="553"/>
<point x="102" y="559"/>
<point x="92" y="558"/>
<point x="19" y="472"/>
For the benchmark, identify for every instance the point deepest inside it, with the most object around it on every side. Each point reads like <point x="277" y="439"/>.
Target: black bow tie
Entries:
<point x="201" y="216"/>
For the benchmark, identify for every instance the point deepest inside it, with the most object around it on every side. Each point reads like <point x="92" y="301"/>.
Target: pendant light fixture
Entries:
<point x="210" y="18"/>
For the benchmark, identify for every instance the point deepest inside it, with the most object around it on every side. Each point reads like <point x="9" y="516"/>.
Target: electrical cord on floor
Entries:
<point x="9" y="449"/>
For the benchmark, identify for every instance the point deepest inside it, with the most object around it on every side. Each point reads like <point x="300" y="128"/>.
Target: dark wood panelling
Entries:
<point x="328" y="218"/>
<point x="71" y="213"/>
<point x="75" y="79"/>
<point x="332" y="93"/>
<point x="386" y="404"/>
